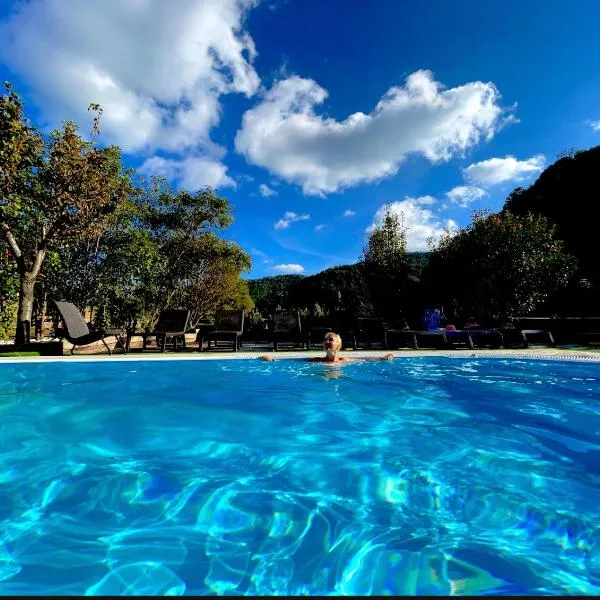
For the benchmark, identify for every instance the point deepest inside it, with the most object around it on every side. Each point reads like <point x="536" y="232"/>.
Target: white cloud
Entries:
<point x="595" y="125"/>
<point x="319" y="227"/>
<point x="289" y="218"/>
<point x="285" y="135"/>
<point x="421" y="223"/>
<point x="499" y="170"/>
<point x="463" y="195"/>
<point x="191" y="173"/>
<point x="349" y="213"/>
<point x="157" y="68"/>
<point x="290" y="268"/>
<point x="266" y="191"/>
<point x="425" y="200"/>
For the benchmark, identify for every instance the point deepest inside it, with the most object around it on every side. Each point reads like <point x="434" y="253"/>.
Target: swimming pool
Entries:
<point x="419" y="476"/>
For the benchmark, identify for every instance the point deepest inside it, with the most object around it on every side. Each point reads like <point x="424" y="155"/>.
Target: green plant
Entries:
<point x="500" y="266"/>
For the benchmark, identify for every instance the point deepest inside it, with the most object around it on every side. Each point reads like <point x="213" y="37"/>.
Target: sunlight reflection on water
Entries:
<point x="417" y="476"/>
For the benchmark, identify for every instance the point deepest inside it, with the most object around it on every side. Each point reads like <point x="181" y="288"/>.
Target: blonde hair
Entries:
<point x="338" y="339"/>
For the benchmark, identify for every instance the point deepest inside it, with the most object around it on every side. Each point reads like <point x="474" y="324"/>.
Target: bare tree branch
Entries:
<point x="12" y="242"/>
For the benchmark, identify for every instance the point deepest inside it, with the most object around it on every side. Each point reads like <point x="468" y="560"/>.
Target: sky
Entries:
<point x="311" y="115"/>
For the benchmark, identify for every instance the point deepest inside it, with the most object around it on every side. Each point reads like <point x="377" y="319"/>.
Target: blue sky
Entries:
<point x="310" y="115"/>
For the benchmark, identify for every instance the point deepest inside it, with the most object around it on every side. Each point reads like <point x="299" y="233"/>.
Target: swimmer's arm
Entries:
<point x="267" y="358"/>
<point x="388" y="356"/>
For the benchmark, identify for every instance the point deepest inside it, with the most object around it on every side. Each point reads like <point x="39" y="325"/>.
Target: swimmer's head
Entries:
<point x="332" y="342"/>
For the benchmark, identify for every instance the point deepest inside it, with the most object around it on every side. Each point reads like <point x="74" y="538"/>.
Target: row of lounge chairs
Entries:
<point x="170" y="329"/>
<point x="285" y="328"/>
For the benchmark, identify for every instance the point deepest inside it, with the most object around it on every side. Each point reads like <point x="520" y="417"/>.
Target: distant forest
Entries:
<point x="538" y="255"/>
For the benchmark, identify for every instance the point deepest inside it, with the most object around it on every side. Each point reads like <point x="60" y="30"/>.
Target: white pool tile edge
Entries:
<point x="460" y="354"/>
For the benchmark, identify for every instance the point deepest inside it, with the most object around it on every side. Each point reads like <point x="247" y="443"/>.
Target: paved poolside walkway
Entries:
<point x="246" y="353"/>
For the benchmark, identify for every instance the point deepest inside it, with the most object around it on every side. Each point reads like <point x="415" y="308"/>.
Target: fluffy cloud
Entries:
<point x="191" y="173"/>
<point x="319" y="227"/>
<point x="595" y="125"/>
<point x="288" y="218"/>
<point x="500" y="170"/>
<point x="463" y="195"/>
<point x="290" y="268"/>
<point x="349" y="213"/>
<point x="157" y="68"/>
<point x="266" y="191"/>
<point x="285" y="135"/>
<point x="421" y="223"/>
<point x="425" y="200"/>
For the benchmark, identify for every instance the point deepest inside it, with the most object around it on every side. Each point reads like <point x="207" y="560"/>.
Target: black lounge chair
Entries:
<point x="171" y="326"/>
<point x="287" y="327"/>
<point x="229" y="325"/>
<point x="78" y="332"/>
<point x="538" y="335"/>
<point x="369" y="331"/>
<point x="431" y="331"/>
<point x="475" y="337"/>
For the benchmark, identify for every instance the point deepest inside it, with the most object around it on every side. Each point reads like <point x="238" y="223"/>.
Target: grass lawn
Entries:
<point x="18" y="354"/>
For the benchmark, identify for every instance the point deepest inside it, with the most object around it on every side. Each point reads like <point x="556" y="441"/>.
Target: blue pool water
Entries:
<point x="417" y="476"/>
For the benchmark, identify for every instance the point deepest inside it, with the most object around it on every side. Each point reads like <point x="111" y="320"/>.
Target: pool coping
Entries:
<point x="539" y="354"/>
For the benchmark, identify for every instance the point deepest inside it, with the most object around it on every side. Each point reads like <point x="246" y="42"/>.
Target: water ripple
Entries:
<point x="420" y="476"/>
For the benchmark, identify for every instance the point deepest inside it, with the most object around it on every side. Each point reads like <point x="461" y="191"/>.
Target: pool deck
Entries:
<point x="545" y="353"/>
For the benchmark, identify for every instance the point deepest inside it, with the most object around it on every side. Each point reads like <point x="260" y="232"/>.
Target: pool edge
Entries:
<point x="542" y="354"/>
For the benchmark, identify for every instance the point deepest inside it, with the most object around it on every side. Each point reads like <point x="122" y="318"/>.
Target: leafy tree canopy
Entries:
<point x="52" y="189"/>
<point x="566" y="193"/>
<point x="499" y="267"/>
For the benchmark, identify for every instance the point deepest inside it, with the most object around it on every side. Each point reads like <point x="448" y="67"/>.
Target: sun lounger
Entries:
<point x="287" y="327"/>
<point x="170" y="329"/>
<point x="229" y="325"/>
<point x="78" y="332"/>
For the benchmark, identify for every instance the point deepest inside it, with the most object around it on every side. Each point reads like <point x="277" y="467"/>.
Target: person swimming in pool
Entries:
<point x="332" y="344"/>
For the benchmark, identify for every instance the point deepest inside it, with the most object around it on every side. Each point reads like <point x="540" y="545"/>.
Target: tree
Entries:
<point x="9" y="291"/>
<point x="385" y="263"/>
<point x="566" y="194"/>
<point x="498" y="267"/>
<point x="52" y="189"/>
<point x="270" y="292"/>
<point x="210" y="277"/>
<point x="386" y="246"/>
<point x="160" y="250"/>
<point x="342" y="288"/>
<point x="165" y="252"/>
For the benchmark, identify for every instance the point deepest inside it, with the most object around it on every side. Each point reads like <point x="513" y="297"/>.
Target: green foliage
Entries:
<point x="255" y="320"/>
<point x="54" y="190"/>
<point x="195" y="268"/>
<point x="498" y="267"/>
<point x="566" y="194"/>
<point x="9" y="292"/>
<point x="20" y="151"/>
<point x="341" y="288"/>
<point x="160" y="251"/>
<point x="338" y="288"/>
<point x="386" y="246"/>
<point x="8" y="313"/>
<point x="75" y="223"/>
<point x="270" y="292"/>
<point x="385" y="264"/>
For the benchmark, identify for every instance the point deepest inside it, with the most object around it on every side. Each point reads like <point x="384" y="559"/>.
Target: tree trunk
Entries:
<point x="42" y="319"/>
<point x="26" y="287"/>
